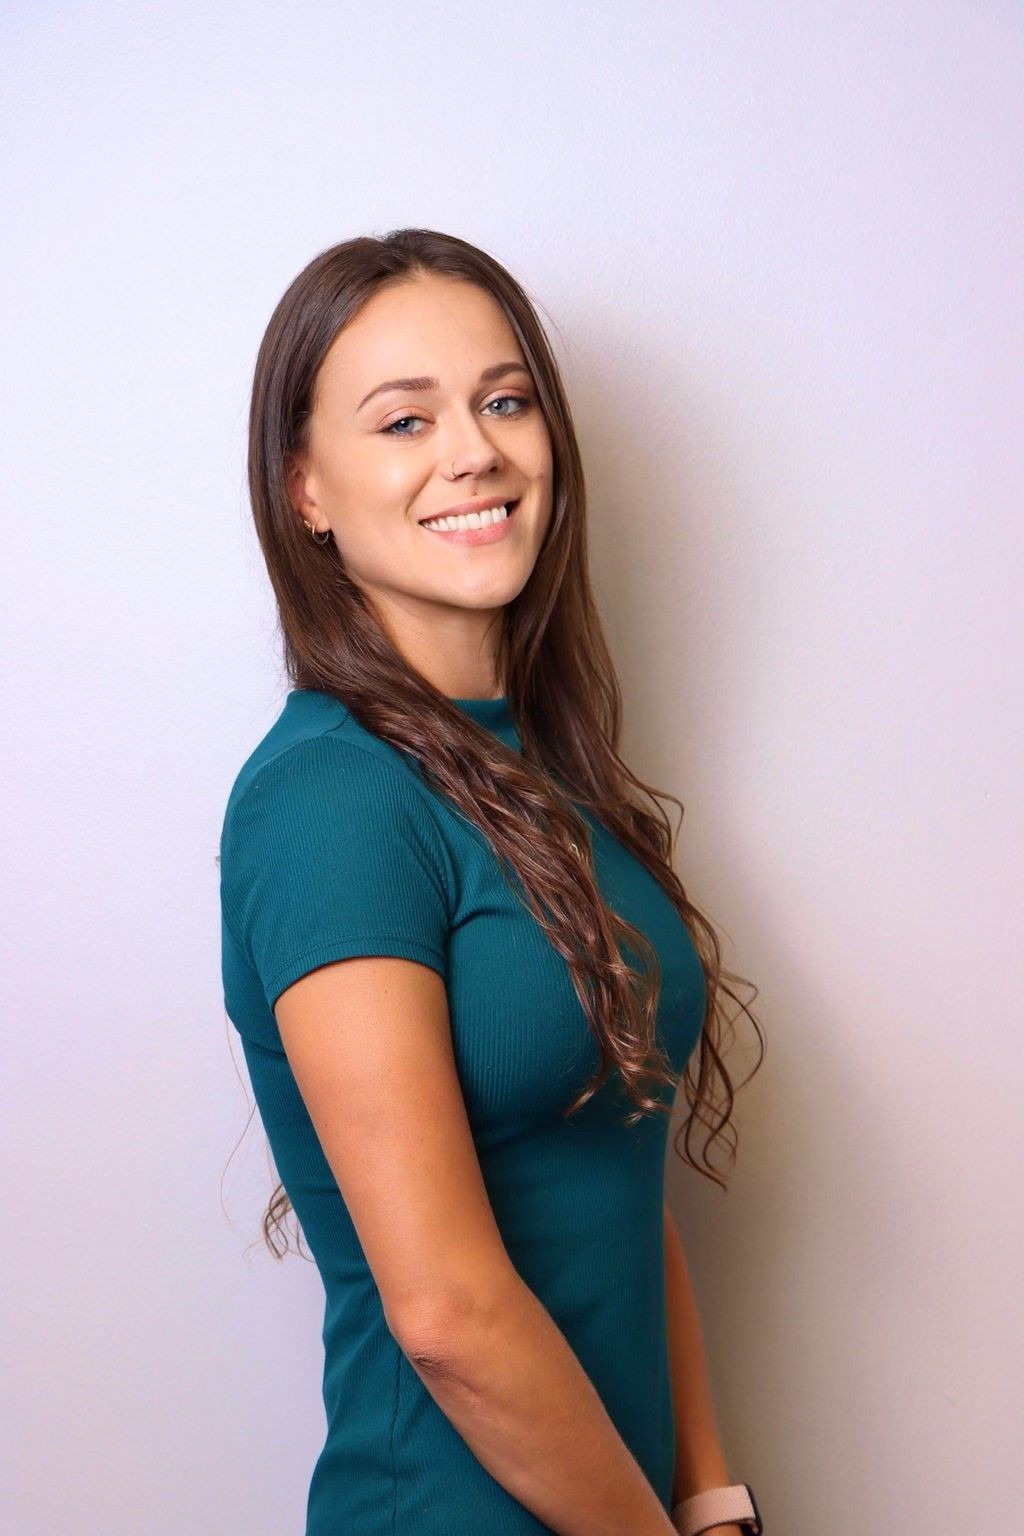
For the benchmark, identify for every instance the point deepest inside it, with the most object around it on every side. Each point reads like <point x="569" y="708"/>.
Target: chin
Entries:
<point x="488" y="594"/>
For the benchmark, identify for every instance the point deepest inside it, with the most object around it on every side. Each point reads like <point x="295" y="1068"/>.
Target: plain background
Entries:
<point x="778" y="248"/>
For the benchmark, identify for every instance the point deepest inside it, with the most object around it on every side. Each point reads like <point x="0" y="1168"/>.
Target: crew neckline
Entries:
<point x="495" y="715"/>
<point x="489" y="711"/>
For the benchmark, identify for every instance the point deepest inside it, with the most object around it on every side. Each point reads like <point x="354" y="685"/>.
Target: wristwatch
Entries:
<point x="734" y="1505"/>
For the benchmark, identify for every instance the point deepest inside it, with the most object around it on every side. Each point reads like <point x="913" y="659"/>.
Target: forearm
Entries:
<point x="700" y="1462"/>
<point x="512" y="1387"/>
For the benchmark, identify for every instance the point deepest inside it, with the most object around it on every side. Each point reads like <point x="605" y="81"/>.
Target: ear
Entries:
<point x="296" y="481"/>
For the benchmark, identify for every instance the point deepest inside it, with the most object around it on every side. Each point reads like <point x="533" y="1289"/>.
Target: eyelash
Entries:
<point x="522" y="400"/>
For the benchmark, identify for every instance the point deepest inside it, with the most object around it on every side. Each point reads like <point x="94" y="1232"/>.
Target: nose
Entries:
<point x="467" y="444"/>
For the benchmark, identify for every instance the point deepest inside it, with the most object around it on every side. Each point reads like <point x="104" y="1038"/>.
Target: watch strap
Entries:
<point x="718" y="1506"/>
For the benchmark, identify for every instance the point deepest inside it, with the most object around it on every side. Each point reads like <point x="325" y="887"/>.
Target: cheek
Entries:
<point x="539" y="460"/>
<point x="379" y="482"/>
<point x="376" y="533"/>
<point x="538" y="467"/>
<point x="370" y="501"/>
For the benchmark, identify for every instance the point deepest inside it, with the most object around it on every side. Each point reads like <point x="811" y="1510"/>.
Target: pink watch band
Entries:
<point x="718" y="1506"/>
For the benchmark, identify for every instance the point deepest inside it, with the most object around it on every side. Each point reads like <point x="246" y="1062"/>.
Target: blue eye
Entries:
<point x="520" y="400"/>
<point x="516" y="399"/>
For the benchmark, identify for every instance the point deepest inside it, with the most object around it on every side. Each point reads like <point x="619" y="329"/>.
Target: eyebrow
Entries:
<point x="496" y="371"/>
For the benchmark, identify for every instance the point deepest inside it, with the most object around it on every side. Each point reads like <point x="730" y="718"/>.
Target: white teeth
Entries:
<point x="468" y="520"/>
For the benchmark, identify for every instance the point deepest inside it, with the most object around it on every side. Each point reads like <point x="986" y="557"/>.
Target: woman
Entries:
<point x="428" y="867"/>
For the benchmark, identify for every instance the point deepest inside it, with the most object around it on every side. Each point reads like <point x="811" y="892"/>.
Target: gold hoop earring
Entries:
<point x="316" y="537"/>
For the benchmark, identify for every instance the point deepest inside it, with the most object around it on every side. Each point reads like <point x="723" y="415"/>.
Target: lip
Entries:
<point x="489" y="535"/>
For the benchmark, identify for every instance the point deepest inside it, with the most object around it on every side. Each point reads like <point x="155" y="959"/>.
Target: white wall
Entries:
<point x="780" y="250"/>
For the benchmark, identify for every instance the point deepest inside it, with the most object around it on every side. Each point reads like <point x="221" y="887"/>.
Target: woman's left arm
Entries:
<point x="700" y="1461"/>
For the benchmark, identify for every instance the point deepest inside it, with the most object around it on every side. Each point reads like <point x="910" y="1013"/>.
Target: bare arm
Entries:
<point x="700" y="1462"/>
<point x="369" y="1043"/>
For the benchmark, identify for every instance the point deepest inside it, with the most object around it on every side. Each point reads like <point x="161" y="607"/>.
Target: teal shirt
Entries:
<point x="334" y="845"/>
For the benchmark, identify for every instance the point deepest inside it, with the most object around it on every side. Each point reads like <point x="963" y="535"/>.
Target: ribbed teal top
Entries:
<point x="334" y="845"/>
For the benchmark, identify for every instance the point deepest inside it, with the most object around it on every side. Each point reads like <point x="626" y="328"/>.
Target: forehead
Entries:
<point x="433" y="325"/>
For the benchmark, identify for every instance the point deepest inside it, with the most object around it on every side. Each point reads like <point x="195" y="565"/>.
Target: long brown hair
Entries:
<point x="556" y="670"/>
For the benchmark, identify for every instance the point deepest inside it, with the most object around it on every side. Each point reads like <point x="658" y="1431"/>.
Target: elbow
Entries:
<point x="446" y="1336"/>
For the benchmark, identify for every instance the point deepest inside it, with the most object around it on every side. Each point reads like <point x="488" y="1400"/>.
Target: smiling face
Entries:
<point x="379" y="463"/>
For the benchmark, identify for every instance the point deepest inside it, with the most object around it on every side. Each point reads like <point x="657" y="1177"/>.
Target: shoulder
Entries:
<point x="321" y="791"/>
<point x="316" y="747"/>
<point x="331" y="847"/>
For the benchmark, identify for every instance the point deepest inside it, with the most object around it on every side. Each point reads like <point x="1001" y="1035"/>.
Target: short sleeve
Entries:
<point x="329" y="851"/>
